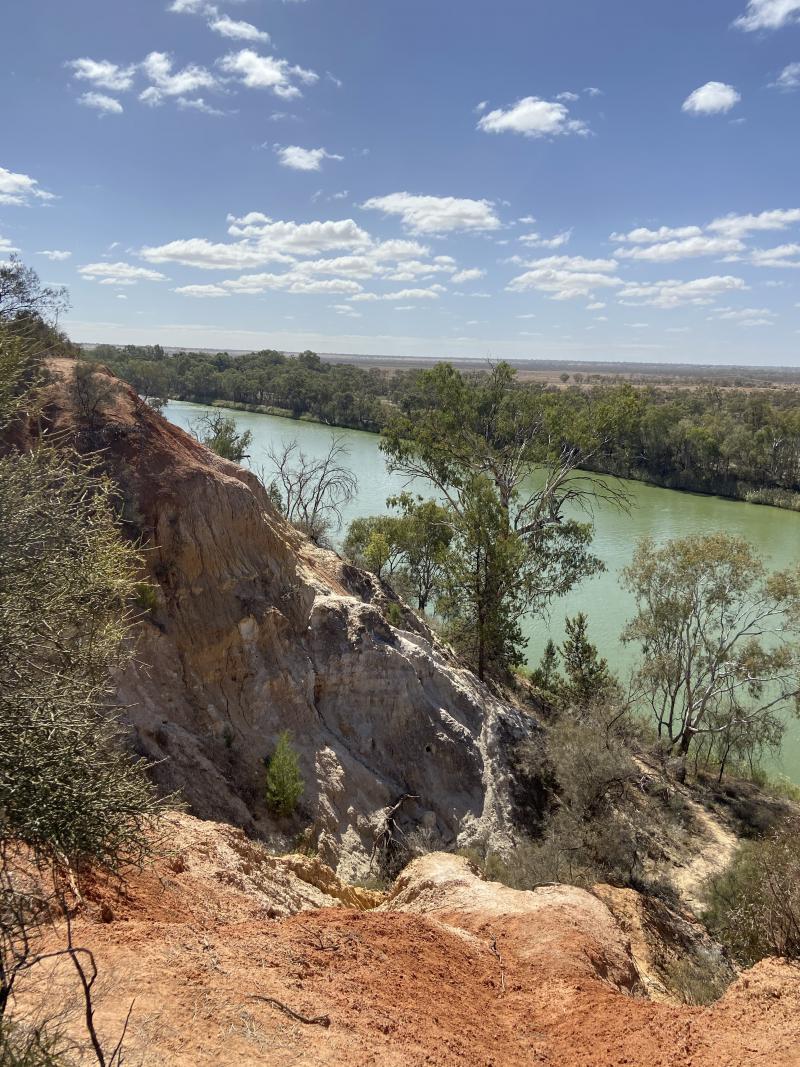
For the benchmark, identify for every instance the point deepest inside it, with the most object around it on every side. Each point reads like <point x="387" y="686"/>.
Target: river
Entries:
<point x="658" y="513"/>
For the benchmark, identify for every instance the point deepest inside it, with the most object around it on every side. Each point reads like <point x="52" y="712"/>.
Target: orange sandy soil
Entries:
<point x="194" y="946"/>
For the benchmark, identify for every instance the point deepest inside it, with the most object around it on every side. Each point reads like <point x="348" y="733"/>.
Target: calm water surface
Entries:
<point x="658" y="513"/>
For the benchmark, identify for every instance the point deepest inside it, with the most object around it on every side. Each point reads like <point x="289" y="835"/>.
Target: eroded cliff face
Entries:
<point x="255" y="631"/>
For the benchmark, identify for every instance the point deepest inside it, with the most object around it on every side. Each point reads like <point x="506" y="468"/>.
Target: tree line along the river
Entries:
<point x="734" y="442"/>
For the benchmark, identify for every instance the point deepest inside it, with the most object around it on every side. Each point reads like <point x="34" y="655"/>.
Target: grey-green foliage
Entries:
<point x="70" y="793"/>
<point x="754" y="906"/>
<point x="31" y="1047"/>
<point x="284" y="783"/>
<point x="219" y="433"/>
<point x="66" y="579"/>
<point x="720" y="640"/>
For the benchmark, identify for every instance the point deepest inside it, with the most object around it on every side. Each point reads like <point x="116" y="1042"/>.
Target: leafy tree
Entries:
<point x="412" y="546"/>
<point x="718" y="637"/>
<point x="219" y="433"/>
<point x="479" y="440"/>
<point x="284" y="784"/>
<point x="424" y="536"/>
<point x="588" y="679"/>
<point x="547" y="676"/>
<point x="70" y="792"/>
<point x="23" y="297"/>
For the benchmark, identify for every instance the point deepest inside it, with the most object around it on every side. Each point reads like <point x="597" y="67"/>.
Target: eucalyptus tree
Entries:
<point x="505" y="463"/>
<point x="719" y="640"/>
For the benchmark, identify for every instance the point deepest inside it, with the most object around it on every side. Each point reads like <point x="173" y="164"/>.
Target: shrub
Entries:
<point x="284" y="785"/>
<point x="754" y="906"/>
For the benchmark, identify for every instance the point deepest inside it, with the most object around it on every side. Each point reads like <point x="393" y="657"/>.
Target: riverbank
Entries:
<point x="783" y="499"/>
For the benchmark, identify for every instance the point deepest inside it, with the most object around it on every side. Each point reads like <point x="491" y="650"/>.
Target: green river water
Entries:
<point x="659" y="513"/>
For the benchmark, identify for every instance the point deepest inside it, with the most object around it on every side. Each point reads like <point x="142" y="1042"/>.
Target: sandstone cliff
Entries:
<point x="252" y="631"/>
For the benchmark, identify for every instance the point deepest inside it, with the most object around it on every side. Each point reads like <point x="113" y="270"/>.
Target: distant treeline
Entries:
<point x="740" y="443"/>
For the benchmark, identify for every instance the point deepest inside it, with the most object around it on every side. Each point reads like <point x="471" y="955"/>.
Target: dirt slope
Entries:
<point x="450" y="972"/>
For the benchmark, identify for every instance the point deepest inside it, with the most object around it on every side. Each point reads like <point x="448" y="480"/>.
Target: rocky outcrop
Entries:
<point x="251" y="631"/>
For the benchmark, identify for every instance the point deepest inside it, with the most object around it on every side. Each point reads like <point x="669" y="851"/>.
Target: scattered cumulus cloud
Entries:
<point x="266" y="72"/>
<point x="119" y="273"/>
<point x="533" y="117"/>
<point x="198" y="104"/>
<point x="789" y="78"/>
<point x="106" y="105"/>
<point x="685" y="248"/>
<point x="54" y="255"/>
<point x="297" y="158"/>
<point x="236" y="30"/>
<point x="103" y="74"/>
<point x="743" y="225"/>
<point x="436" y="214"/>
<point x="673" y="293"/>
<point x="768" y="15"/>
<point x="535" y="240"/>
<point x="783" y="256"/>
<point x="567" y="277"/>
<point x="471" y="275"/>
<point x="713" y="98"/>
<point x="20" y="190"/>
<point x="157" y="66"/>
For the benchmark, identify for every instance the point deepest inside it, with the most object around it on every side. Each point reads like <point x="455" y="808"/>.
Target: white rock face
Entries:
<point x="257" y="632"/>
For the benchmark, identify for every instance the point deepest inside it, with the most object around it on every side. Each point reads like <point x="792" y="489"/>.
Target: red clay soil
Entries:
<point x="485" y="977"/>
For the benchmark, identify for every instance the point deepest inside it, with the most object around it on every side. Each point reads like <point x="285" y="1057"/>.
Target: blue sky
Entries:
<point x="576" y="179"/>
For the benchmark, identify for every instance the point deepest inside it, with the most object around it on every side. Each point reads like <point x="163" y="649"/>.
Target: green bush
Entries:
<point x="754" y="906"/>
<point x="284" y="785"/>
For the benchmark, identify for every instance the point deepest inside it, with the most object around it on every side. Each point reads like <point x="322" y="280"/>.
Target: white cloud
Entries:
<point x="291" y="282"/>
<point x="768" y="14"/>
<point x="6" y="247"/>
<point x="345" y="309"/>
<point x="664" y="233"/>
<point x="567" y="277"/>
<point x="673" y="293"/>
<point x="535" y="240"/>
<point x="103" y="74"/>
<point x="54" y="255"/>
<point x="198" y="104"/>
<point x="431" y="293"/>
<point x="471" y="275"/>
<point x="119" y="273"/>
<point x="263" y="241"/>
<point x="157" y="66"/>
<point x="191" y="7"/>
<point x="743" y="314"/>
<point x="686" y="248"/>
<point x="106" y="105"/>
<point x="742" y="225"/>
<point x="596" y="305"/>
<point x="303" y="158"/>
<point x="713" y="98"/>
<point x="238" y="31"/>
<point x="789" y="78"/>
<point x="436" y="214"/>
<point x="266" y="72"/>
<point x="202" y="292"/>
<point x="568" y="97"/>
<point x="782" y="256"/>
<point x="19" y="190"/>
<point x="532" y="117"/>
